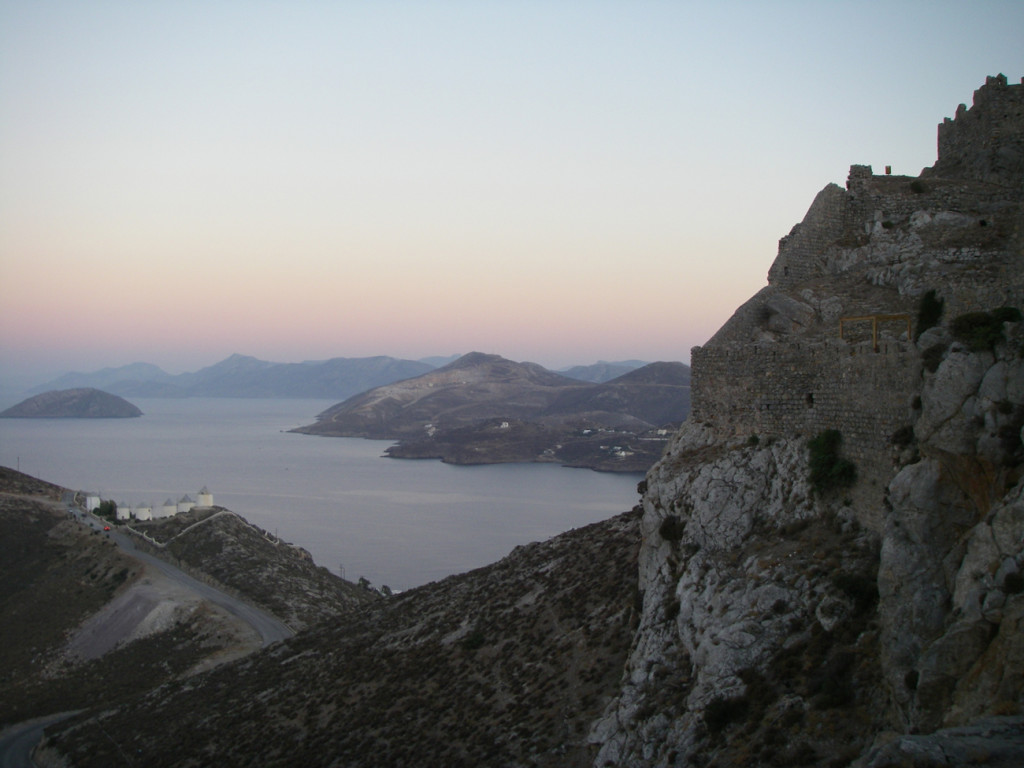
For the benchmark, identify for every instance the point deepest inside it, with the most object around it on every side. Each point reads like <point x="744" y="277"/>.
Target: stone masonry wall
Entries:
<point x="827" y="220"/>
<point x="790" y="389"/>
<point x="984" y="142"/>
<point x="958" y="229"/>
<point x="846" y="218"/>
<point x="895" y="198"/>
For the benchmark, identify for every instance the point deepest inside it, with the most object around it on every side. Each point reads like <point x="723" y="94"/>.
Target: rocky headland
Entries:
<point x="484" y="409"/>
<point x="81" y="403"/>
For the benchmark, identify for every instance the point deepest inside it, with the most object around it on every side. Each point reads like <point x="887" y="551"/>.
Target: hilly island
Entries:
<point x="79" y="403"/>
<point x="826" y="566"/>
<point x="485" y="409"/>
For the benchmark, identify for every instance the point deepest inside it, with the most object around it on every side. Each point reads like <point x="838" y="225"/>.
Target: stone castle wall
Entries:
<point x="799" y="389"/>
<point x="846" y="218"/>
<point x="979" y="172"/>
<point x="984" y="142"/>
<point x="958" y="229"/>
<point x="895" y="198"/>
<point x="827" y="220"/>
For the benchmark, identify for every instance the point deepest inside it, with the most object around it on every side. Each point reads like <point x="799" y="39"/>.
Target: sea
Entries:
<point x="396" y="522"/>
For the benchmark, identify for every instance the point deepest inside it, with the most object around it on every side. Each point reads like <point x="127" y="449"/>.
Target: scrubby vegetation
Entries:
<point x="829" y="471"/>
<point x="506" y="665"/>
<point x="253" y="563"/>
<point x="672" y="528"/>
<point x="903" y="436"/>
<point x="981" y="331"/>
<point x="929" y="311"/>
<point x="932" y="357"/>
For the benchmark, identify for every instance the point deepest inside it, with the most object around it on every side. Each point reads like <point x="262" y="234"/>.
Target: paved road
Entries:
<point x="17" y="742"/>
<point x="271" y="628"/>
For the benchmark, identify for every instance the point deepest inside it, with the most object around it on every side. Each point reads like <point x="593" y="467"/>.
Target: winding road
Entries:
<point x="271" y="628"/>
<point x="18" y="741"/>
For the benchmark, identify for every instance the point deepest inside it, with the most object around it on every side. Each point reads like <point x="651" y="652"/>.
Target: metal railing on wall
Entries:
<point x="875" y="320"/>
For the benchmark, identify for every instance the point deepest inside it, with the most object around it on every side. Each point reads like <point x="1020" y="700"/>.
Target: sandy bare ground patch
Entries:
<point x="153" y="604"/>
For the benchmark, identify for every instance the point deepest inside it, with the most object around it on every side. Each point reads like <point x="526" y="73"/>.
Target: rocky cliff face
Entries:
<point x="833" y="543"/>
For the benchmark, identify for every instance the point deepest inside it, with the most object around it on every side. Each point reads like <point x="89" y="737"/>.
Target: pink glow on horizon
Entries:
<point x="548" y="183"/>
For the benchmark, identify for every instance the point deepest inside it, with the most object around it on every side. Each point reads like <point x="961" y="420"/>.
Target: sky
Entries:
<point x="560" y="182"/>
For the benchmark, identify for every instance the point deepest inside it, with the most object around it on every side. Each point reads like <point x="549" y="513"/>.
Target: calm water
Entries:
<point x="400" y="523"/>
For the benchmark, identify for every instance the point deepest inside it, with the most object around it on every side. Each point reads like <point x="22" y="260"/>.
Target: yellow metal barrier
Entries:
<point x="875" y="320"/>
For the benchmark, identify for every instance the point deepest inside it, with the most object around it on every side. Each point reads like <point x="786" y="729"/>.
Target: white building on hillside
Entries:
<point x="124" y="512"/>
<point x="170" y="509"/>
<point x="205" y="498"/>
<point x="185" y="504"/>
<point x="143" y="511"/>
<point x="92" y="501"/>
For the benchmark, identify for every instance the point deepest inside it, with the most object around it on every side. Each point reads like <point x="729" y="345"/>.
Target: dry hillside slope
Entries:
<point x="504" y="665"/>
<point x="59" y="574"/>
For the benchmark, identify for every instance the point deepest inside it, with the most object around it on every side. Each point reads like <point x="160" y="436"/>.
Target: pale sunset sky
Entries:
<point x="558" y="181"/>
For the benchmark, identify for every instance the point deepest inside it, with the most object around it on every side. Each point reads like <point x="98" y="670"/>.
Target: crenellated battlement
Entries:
<point x="985" y="142"/>
<point x="979" y="174"/>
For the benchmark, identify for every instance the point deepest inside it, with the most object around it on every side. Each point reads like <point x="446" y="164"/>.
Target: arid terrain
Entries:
<point x="537" y="640"/>
<point x="484" y="409"/>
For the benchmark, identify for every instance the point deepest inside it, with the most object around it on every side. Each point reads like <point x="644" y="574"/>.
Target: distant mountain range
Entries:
<point x="602" y="371"/>
<point x="244" y="376"/>
<point x="486" y="409"/>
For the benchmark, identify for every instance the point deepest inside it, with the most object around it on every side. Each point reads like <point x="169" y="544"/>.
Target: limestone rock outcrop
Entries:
<point x="833" y="543"/>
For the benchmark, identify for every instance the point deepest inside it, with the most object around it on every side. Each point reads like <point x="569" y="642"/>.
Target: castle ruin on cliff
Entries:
<point x="870" y="252"/>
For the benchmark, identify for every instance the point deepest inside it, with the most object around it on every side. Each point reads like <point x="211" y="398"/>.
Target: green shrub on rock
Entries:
<point x="929" y="311"/>
<point x="671" y="528"/>
<point x="981" y="331"/>
<point x="829" y="471"/>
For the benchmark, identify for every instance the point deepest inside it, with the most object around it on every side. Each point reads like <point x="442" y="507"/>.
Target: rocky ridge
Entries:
<point x="242" y="558"/>
<point x="246" y="376"/>
<point x="504" y="665"/>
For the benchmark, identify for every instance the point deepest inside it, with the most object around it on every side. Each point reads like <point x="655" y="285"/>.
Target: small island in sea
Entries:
<point x="81" y="403"/>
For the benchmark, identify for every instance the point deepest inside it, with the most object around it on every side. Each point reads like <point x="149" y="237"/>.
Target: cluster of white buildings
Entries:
<point x="146" y="511"/>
